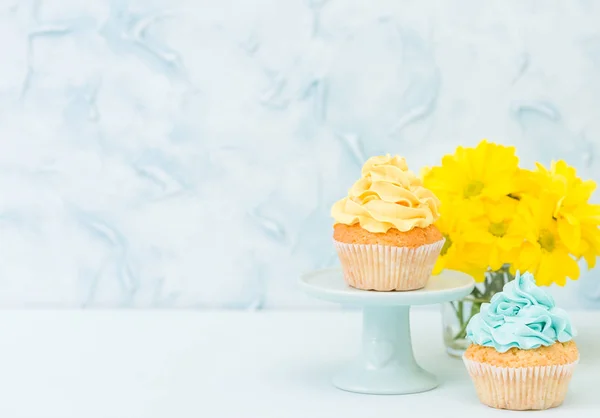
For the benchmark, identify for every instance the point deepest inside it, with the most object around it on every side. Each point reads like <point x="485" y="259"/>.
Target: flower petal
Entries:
<point x="570" y="235"/>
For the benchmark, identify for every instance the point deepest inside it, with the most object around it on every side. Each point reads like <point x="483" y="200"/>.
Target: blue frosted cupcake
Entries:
<point x="523" y="355"/>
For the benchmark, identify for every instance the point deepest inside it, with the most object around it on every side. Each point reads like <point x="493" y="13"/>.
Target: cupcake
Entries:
<point x="522" y="356"/>
<point x="383" y="231"/>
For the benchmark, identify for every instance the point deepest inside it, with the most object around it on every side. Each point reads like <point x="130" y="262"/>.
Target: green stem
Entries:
<point x="454" y="308"/>
<point x="461" y="305"/>
<point x="494" y="282"/>
<point x="462" y="332"/>
<point x="476" y="292"/>
<point x="480" y="300"/>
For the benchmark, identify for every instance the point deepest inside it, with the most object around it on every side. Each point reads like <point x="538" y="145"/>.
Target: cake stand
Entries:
<point x="386" y="365"/>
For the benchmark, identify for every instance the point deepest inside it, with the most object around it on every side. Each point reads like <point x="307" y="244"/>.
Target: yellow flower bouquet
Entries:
<point x="498" y="218"/>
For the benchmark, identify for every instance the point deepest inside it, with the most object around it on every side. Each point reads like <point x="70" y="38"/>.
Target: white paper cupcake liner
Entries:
<point x="386" y="268"/>
<point x="523" y="388"/>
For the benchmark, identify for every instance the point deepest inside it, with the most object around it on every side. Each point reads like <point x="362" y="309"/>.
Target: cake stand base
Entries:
<point x="386" y="364"/>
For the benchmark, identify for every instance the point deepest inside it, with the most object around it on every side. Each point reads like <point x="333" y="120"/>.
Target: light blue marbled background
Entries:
<point x="185" y="153"/>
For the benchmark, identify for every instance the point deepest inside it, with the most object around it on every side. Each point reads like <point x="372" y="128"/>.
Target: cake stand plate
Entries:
<point x="386" y="365"/>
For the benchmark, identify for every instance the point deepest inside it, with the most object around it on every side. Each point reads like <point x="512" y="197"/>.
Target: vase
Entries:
<point x="456" y="315"/>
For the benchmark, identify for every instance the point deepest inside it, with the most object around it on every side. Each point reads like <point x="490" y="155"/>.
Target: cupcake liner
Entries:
<point x="523" y="388"/>
<point x="386" y="268"/>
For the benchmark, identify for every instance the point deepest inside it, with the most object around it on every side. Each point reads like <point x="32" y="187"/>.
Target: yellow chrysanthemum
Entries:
<point x="487" y="170"/>
<point x="526" y="183"/>
<point x="577" y="220"/>
<point x="590" y="244"/>
<point x="494" y="213"/>
<point x="457" y="253"/>
<point x="500" y="230"/>
<point x="544" y="255"/>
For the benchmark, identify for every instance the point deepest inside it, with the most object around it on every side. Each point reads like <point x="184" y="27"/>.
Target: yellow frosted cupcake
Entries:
<point x="522" y="356"/>
<point x="383" y="232"/>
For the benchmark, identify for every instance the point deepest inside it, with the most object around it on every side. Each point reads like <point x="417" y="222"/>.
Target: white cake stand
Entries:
<point x="386" y="365"/>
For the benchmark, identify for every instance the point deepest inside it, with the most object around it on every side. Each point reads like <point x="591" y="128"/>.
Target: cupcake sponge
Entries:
<point x="355" y="234"/>
<point x="556" y="354"/>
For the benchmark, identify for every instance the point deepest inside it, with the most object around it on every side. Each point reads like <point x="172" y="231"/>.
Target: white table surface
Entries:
<point x="129" y="364"/>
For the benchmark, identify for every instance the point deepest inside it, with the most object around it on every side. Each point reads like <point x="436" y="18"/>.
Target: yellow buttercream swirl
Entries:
<point x="388" y="195"/>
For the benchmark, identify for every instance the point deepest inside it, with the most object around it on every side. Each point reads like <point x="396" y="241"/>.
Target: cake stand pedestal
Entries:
<point x="386" y="365"/>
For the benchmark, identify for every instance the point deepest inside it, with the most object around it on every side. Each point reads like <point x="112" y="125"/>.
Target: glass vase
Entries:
<point x="456" y="315"/>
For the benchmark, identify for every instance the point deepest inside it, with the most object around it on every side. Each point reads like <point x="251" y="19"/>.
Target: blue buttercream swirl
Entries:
<point x="522" y="316"/>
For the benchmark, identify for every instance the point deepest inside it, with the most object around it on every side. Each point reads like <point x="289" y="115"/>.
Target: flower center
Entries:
<point x="498" y="229"/>
<point x="546" y="240"/>
<point x="447" y="245"/>
<point x="473" y="189"/>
